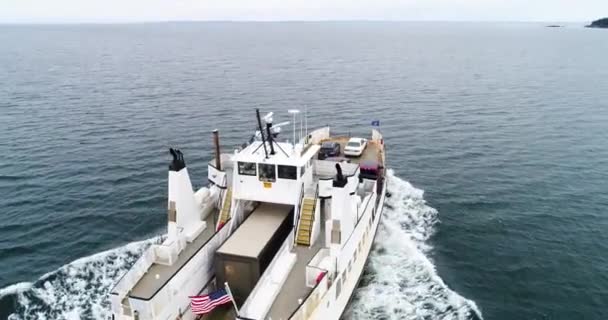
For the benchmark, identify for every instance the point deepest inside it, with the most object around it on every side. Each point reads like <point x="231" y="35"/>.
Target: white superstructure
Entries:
<point x="307" y="228"/>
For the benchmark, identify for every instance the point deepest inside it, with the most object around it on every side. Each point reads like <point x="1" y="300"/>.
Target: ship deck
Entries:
<point x="295" y="288"/>
<point x="158" y="274"/>
<point x="373" y="151"/>
<point x="223" y="312"/>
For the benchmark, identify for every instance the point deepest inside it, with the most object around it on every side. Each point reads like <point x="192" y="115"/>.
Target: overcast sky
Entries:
<point x="161" y="10"/>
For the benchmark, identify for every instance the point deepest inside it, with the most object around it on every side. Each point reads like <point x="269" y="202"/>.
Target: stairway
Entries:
<point x="307" y="216"/>
<point x="225" y="213"/>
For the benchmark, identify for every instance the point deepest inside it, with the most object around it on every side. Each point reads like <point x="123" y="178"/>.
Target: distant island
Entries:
<point x="601" y="23"/>
<point x="554" y="26"/>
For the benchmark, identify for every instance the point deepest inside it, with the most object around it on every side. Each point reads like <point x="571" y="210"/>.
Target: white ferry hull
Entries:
<point x="332" y="308"/>
<point x="303" y="261"/>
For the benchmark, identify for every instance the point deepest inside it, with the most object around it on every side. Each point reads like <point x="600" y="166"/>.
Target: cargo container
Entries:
<point x="243" y="258"/>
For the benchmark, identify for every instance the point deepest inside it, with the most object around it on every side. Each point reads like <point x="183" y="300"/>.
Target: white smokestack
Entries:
<point x="180" y="192"/>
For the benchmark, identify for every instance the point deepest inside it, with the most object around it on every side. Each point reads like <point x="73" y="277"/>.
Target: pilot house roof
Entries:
<point x="283" y="154"/>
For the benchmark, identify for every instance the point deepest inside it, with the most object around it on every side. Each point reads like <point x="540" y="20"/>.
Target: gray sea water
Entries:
<point x="497" y="136"/>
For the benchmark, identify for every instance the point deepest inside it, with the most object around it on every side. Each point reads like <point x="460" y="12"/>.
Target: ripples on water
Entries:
<point x="504" y="126"/>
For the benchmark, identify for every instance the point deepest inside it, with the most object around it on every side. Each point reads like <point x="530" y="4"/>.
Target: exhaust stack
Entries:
<point x="187" y="215"/>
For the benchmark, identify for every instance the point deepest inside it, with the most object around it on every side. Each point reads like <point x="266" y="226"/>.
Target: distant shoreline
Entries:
<point x="600" y="24"/>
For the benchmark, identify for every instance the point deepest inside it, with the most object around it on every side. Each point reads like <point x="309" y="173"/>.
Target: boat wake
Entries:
<point x="78" y="290"/>
<point x="400" y="282"/>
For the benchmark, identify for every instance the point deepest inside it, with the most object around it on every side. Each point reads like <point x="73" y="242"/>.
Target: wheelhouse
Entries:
<point x="262" y="177"/>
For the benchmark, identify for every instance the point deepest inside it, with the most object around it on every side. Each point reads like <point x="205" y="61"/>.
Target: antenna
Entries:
<point x="306" y="118"/>
<point x="275" y="130"/>
<point x="268" y="117"/>
<point x="294" y="112"/>
<point x="216" y="143"/>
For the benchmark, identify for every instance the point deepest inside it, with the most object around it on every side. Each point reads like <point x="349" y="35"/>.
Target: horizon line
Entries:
<point x="123" y="22"/>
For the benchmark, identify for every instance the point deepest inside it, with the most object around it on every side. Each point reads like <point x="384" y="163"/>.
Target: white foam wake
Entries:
<point x="15" y="288"/>
<point x="400" y="282"/>
<point x="78" y="290"/>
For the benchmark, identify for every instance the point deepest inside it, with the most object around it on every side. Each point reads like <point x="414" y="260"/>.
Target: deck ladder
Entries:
<point x="226" y="206"/>
<point x="307" y="217"/>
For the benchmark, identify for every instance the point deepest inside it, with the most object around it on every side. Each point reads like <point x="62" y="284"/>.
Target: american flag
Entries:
<point x="205" y="304"/>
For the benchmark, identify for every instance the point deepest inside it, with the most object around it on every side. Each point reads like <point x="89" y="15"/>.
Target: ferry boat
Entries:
<point x="286" y="232"/>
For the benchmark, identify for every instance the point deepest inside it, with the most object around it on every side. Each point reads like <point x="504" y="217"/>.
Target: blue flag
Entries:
<point x="375" y="123"/>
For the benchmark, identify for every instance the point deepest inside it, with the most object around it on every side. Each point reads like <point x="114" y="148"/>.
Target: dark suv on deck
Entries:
<point x="329" y="149"/>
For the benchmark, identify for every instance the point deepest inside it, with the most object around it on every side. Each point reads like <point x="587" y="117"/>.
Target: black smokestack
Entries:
<point x="178" y="162"/>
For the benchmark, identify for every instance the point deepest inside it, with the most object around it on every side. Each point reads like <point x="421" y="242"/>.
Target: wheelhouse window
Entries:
<point x="247" y="169"/>
<point x="302" y="170"/>
<point x="328" y="146"/>
<point x="267" y="172"/>
<point x="288" y="172"/>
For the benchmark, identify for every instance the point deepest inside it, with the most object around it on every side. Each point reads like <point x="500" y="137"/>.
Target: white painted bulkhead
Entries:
<point x="329" y="303"/>
<point x="181" y="194"/>
<point x="278" y="190"/>
<point x="269" y="284"/>
<point x="172" y="299"/>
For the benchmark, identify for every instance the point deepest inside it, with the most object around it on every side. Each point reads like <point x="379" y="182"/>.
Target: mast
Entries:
<point x="268" y="121"/>
<point x="257" y="113"/>
<point x="216" y="144"/>
<point x="270" y="138"/>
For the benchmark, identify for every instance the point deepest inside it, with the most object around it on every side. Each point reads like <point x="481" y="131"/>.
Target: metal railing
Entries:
<point x="261" y="298"/>
<point x="297" y="209"/>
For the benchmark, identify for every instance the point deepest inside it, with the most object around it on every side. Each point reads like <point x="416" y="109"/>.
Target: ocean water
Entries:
<point x="497" y="137"/>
